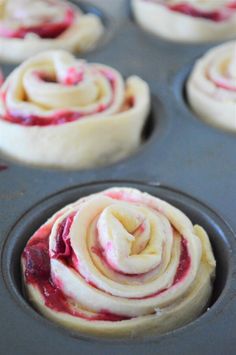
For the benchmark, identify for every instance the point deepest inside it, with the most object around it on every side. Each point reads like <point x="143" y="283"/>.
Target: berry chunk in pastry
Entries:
<point x="187" y="20"/>
<point x="211" y="88"/>
<point x="56" y="110"/>
<point x="1" y="77"/>
<point x="119" y="263"/>
<point x="28" y="27"/>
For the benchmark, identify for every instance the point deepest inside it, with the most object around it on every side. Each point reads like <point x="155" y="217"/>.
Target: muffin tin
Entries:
<point x="181" y="160"/>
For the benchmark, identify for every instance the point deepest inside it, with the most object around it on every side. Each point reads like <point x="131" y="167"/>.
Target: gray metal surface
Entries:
<point x="181" y="152"/>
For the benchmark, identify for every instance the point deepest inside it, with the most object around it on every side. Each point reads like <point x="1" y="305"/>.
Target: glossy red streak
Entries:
<point x="3" y="167"/>
<point x="184" y="264"/>
<point x="222" y="85"/>
<point x="225" y="86"/>
<point x="63" y="245"/>
<point x="99" y="251"/>
<point x="91" y="283"/>
<point x="182" y="270"/>
<point x="108" y="316"/>
<point x="1" y="78"/>
<point x="140" y="229"/>
<point x="38" y="273"/>
<point x="73" y="76"/>
<point x="231" y="5"/>
<point x="224" y="13"/>
<point x="37" y="261"/>
<point x="47" y="30"/>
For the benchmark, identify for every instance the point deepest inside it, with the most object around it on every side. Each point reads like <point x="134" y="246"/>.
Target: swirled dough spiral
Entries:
<point x="211" y="88"/>
<point x="56" y="110"/>
<point x="119" y="263"/>
<point x="187" y="20"/>
<point x="28" y="27"/>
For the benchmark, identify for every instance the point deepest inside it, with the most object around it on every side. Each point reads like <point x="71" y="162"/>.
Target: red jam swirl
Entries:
<point x="46" y="30"/>
<point x="222" y="14"/>
<point x="222" y="84"/>
<point x="62" y="116"/>
<point x="38" y="273"/>
<point x="182" y="270"/>
<point x="3" y="167"/>
<point x="1" y="78"/>
<point x="184" y="263"/>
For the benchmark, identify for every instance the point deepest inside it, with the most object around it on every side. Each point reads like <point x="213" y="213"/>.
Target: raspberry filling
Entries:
<point x="38" y="272"/>
<point x="222" y="14"/>
<point x="1" y="78"/>
<point x="63" y="115"/>
<point x="216" y="16"/>
<point x="3" y="167"/>
<point x="182" y="270"/>
<point x="224" y="82"/>
<point x="46" y="30"/>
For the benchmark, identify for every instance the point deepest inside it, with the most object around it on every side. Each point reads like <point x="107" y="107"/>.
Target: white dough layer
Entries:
<point x="211" y="88"/>
<point x="157" y="18"/>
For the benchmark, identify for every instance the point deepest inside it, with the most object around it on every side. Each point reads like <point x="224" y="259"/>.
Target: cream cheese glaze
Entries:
<point x="211" y="88"/>
<point x="187" y="20"/>
<point x="56" y="110"/>
<point x="28" y="27"/>
<point x="119" y="263"/>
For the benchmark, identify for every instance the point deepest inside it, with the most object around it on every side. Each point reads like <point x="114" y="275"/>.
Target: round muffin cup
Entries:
<point x="196" y="211"/>
<point x="123" y="262"/>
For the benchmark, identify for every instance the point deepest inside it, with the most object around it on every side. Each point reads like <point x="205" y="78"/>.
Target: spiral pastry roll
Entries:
<point x="56" y="110"/>
<point x="119" y="263"/>
<point x="28" y="27"/>
<point x="187" y="20"/>
<point x="211" y="88"/>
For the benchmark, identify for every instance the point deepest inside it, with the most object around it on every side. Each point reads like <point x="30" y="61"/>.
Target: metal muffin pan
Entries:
<point x="181" y="160"/>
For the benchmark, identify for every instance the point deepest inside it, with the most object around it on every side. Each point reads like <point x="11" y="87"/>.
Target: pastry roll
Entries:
<point x="58" y="111"/>
<point x="28" y="27"/>
<point x="211" y="88"/>
<point x="119" y="263"/>
<point x="187" y="20"/>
